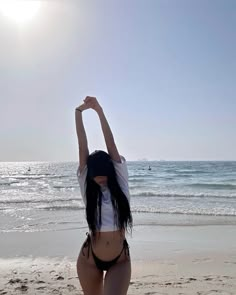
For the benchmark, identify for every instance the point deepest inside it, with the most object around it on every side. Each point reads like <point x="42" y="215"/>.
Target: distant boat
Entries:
<point x="29" y="169"/>
<point x="149" y="168"/>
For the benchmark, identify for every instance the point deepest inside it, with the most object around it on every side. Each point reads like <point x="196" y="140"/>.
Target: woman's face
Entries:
<point x="101" y="180"/>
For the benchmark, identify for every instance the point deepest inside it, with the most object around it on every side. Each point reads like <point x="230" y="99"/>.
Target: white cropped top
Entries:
<point x="107" y="212"/>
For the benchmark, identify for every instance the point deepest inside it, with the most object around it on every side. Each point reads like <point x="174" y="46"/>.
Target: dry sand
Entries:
<point x="201" y="275"/>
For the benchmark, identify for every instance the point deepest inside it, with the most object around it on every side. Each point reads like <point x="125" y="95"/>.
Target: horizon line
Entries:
<point x="138" y="160"/>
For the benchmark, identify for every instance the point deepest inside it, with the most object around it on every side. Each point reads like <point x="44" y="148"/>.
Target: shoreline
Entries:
<point x="75" y="220"/>
<point x="147" y="242"/>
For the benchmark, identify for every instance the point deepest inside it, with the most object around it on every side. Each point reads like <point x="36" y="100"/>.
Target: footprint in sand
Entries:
<point x="40" y="282"/>
<point x="40" y="288"/>
<point x="191" y="280"/>
<point x="208" y="279"/>
<point x="15" y="281"/>
<point x="22" y="288"/>
<point x="59" y="278"/>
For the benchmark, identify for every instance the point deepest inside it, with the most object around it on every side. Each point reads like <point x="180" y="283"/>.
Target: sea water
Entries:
<point x="45" y="196"/>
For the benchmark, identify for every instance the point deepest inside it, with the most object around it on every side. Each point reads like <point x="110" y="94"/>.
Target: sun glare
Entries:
<point x="19" y="11"/>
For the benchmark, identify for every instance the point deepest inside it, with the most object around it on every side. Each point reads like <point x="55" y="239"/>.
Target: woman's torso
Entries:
<point x="107" y="245"/>
<point x="108" y="240"/>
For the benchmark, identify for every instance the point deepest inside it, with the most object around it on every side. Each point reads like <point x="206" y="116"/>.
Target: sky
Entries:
<point x="164" y="72"/>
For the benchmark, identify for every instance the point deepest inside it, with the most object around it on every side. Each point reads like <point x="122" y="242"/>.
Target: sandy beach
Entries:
<point x="195" y="275"/>
<point x="165" y="260"/>
<point x="150" y="83"/>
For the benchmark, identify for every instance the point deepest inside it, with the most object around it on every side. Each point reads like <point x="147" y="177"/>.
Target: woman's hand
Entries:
<point x="90" y="102"/>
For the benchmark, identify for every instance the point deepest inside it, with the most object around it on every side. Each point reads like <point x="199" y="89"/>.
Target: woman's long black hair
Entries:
<point x="122" y="212"/>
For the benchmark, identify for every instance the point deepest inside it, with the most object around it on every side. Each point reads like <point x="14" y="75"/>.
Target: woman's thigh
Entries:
<point x="118" y="277"/>
<point x="90" y="277"/>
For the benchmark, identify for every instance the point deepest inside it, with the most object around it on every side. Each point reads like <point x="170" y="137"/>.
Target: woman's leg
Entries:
<point x="90" y="277"/>
<point x="117" y="278"/>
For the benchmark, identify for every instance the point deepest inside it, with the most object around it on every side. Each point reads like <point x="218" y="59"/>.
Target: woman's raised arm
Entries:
<point x="92" y="102"/>
<point x="82" y="138"/>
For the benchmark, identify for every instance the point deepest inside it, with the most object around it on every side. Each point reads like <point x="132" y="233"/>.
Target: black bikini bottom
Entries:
<point x="104" y="265"/>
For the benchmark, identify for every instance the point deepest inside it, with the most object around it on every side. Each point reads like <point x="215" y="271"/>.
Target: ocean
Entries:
<point x="45" y="196"/>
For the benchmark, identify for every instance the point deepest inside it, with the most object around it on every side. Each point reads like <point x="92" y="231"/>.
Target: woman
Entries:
<point x="103" y="180"/>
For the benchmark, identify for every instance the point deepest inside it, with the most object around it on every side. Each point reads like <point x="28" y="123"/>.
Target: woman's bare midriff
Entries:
<point x="108" y="245"/>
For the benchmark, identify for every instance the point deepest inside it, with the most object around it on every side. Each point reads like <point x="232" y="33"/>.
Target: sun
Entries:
<point x="19" y="11"/>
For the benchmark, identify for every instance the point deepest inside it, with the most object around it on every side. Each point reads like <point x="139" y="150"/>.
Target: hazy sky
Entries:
<point x="164" y="72"/>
